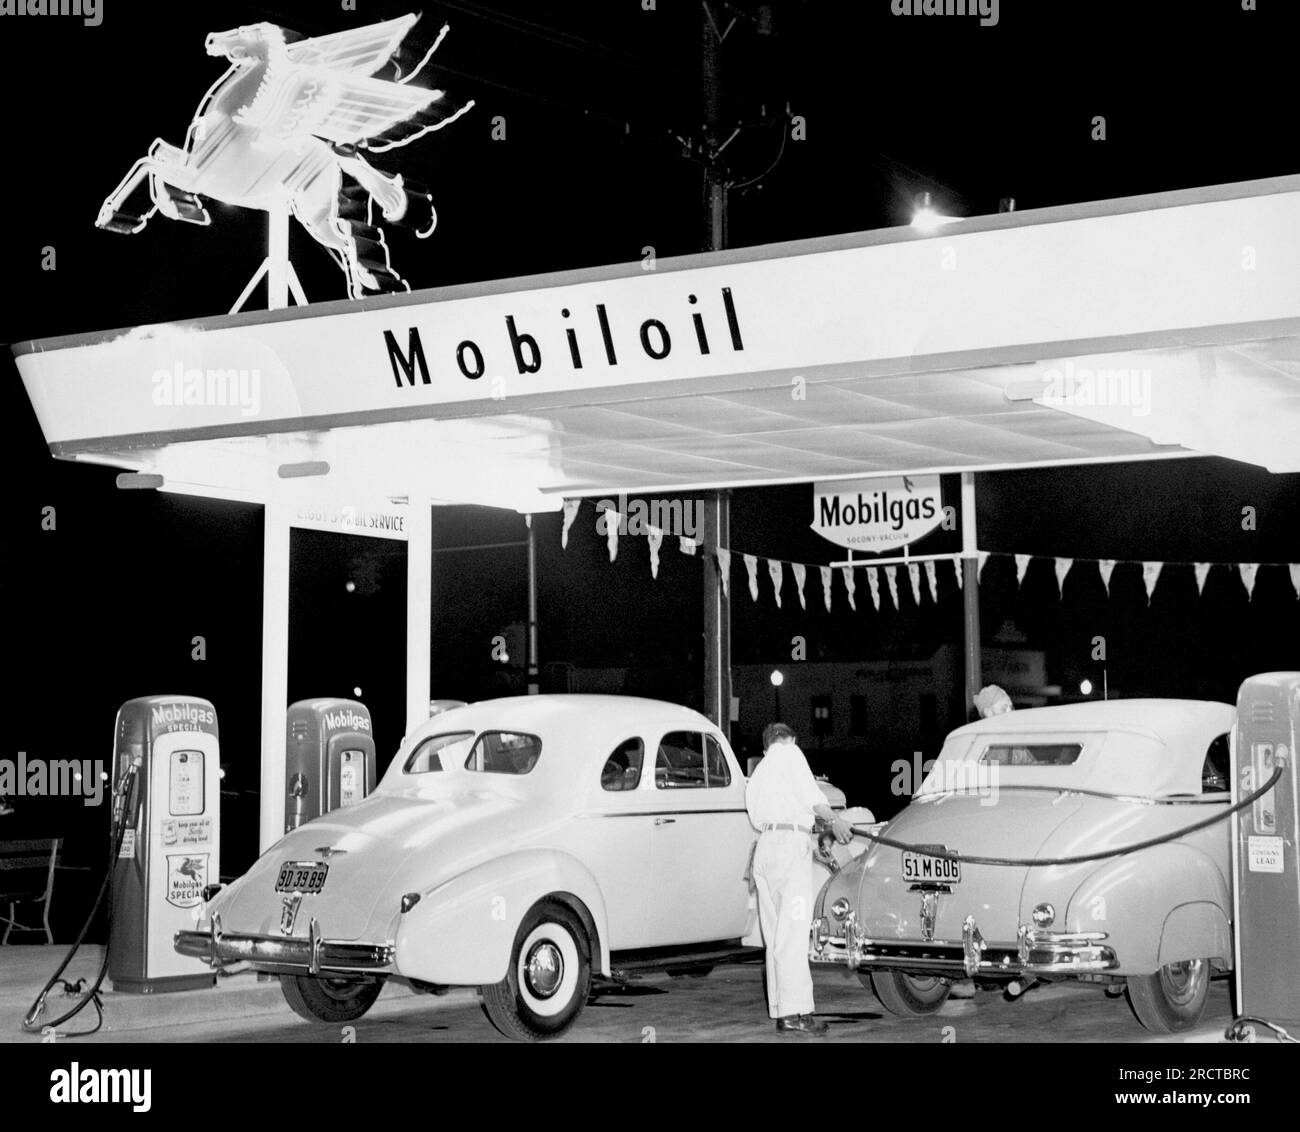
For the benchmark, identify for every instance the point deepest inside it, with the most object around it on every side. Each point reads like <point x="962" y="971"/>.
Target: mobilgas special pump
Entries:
<point x="166" y="748"/>
<point x="329" y="758"/>
<point x="1266" y="867"/>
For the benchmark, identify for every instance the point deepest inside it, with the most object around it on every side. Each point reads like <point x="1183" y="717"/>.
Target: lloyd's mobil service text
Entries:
<point x="706" y="323"/>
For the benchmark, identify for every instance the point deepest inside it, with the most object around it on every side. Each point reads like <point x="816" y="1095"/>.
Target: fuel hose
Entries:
<point x="1082" y="858"/>
<point x="33" y="1021"/>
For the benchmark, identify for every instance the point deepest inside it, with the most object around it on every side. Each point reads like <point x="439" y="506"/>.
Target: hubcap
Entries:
<point x="544" y="969"/>
<point x="1181" y="980"/>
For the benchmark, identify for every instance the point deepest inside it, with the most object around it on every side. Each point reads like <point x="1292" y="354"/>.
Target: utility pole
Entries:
<point x="717" y="505"/>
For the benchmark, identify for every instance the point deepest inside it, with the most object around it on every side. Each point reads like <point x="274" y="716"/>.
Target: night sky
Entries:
<point x="599" y="101"/>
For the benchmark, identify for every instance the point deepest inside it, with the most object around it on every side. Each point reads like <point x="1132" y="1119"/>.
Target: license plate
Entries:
<point x="307" y="877"/>
<point x="920" y="869"/>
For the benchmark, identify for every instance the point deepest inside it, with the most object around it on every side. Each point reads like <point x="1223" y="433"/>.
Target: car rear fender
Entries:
<point x="461" y="933"/>
<point x="1145" y="902"/>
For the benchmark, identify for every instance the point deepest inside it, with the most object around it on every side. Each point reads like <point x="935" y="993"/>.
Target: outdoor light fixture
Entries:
<point x="138" y="481"/>
<point x="927" y="218"/>
<point x="351" y="587"/>
<point x="777" y="678"/>
<point x="302" y="470"/>
<point x="357" y="692"/>
<point x="1085" y="687"/>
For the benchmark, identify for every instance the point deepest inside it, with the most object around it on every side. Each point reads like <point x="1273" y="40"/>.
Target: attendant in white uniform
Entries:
<point x="782" y="798"/>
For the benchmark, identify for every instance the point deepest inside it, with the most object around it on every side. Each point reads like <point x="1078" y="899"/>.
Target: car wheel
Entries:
<point x="329" y="1000"/>
<point x="549" y="978"/>
<point x="1172" y="999"/>
<point x="908" y="995"/>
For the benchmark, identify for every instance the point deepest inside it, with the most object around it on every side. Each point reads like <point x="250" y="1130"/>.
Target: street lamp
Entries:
<point x="777" y="678"/>
<point x="1085" y="687"/>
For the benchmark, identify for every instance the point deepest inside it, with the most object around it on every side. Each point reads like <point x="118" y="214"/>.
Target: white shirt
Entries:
<point x="782" y="788"/>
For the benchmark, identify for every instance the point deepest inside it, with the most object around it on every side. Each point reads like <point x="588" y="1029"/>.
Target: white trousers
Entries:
<point x="783" y="878"/>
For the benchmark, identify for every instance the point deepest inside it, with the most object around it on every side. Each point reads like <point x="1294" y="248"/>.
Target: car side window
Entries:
<point x="504" y="752"/>
<point x="1214" y="771"/>
<point x="1031" y="754"/>
<point x="622" y="770"/>
<point x="716" y="770"/>
<point x="429" y="754"/>
<point x="680" y="762"/>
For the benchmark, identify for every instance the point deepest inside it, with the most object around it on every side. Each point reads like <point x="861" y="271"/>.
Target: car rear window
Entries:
<point x="1031" y="754"/>
<point x="504" y="752"/>
<point x="428" y="755"/>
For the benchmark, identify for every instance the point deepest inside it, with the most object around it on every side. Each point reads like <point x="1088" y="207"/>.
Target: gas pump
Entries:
<point x="166" y="776"/>
<point x="329" y="758"/>
<point x="1266" y="835"/>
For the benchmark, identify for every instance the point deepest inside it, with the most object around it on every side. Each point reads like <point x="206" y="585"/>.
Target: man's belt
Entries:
<point x="785" y="825"/>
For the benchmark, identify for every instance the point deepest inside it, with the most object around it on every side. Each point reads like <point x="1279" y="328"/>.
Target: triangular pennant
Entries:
<point x="1022" y="564"/>
<point x="655" y="537"/>
<point x="914" y="576"/>
<point x="751" y="568"/>
<point x="687" y="545"/>
<point x="827" y="574"/>
<point x="932" y="576"/>
<point x="891" y="576"/>
<point x="1248" y="571"/>
<point x="570" y="513"/>
<point x="1202" y="570"/>
<point x="1107" y="568"/>
<point x="958" y="569"/>
<point x="1151" y="575"/>
<point x="613" y="520"/>
<point x="983" y="556"/>
<point x="774" y="572"/>
<point x="1062" y="569"/>
<point x="724" y="570"/>
<point x="873" y="580"/>
<point x="800" y="572"/>
<point x="850" y="585"/>
<point x="1294" y="569"/>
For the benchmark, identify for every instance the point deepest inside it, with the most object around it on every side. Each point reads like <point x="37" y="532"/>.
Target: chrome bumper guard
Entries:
<point x="1035" y="952"/>
<point x="285" y="955"/>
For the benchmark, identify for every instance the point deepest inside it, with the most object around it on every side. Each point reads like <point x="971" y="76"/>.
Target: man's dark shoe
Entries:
<point x="801" y="1024"/>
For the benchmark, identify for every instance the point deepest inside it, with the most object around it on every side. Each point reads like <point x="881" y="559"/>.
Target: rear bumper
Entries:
<point x="284" y="955"/>
<point x="1035" y="952"/>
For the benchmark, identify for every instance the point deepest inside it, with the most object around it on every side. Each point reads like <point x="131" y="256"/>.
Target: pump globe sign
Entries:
<point x="877" y="514"/>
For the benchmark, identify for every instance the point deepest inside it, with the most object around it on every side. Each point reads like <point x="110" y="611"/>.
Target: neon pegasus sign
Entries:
<point x="288" y="127"/>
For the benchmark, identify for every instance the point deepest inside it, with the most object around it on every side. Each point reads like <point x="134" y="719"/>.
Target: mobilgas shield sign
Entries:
<point x="877" y="514"/>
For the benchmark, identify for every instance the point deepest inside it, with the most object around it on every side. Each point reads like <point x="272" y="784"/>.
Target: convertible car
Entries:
<point x="520" y="845"/>
<point x="1048" y="844"/>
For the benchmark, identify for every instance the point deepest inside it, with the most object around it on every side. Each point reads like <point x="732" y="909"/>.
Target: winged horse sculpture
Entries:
<point x="287" y="126"/>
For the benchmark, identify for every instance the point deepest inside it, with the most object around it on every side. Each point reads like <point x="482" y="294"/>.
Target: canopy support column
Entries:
<point x="275" y="670"/>
<point x="970" y="593"/>
<point x="419" y="609"/>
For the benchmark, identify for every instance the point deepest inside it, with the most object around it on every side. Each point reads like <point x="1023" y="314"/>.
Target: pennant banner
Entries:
<point x="873" y="580"/>
<point x="570" y="513"/>
<point x="914" y="576"/>
<point x="850" y="585"/>
<point x="1022" y="564"/>
<point x="751" y="568"/>
<point x="1294" y="569"/>
<point x="774" y="572"/>
<point x="655" y="537"/>
<point x="613" y="520"/>
<point x="1202" y="572"/>
<point x="800" y="572"/>
<point x="983" y="556"/>
<point x="687" y="545"/>
<point x="1062" y="569"/>
<point x="932" y="576"/>
<point x="1107" y="568"/>
<point x="891" y="576"/>
<point x="724" y="571"/>
<point x="1151" y="575"/>
<point x="827" y="574"/>
<point x="1248" y="572"/>
<point x="959" y="568"/>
